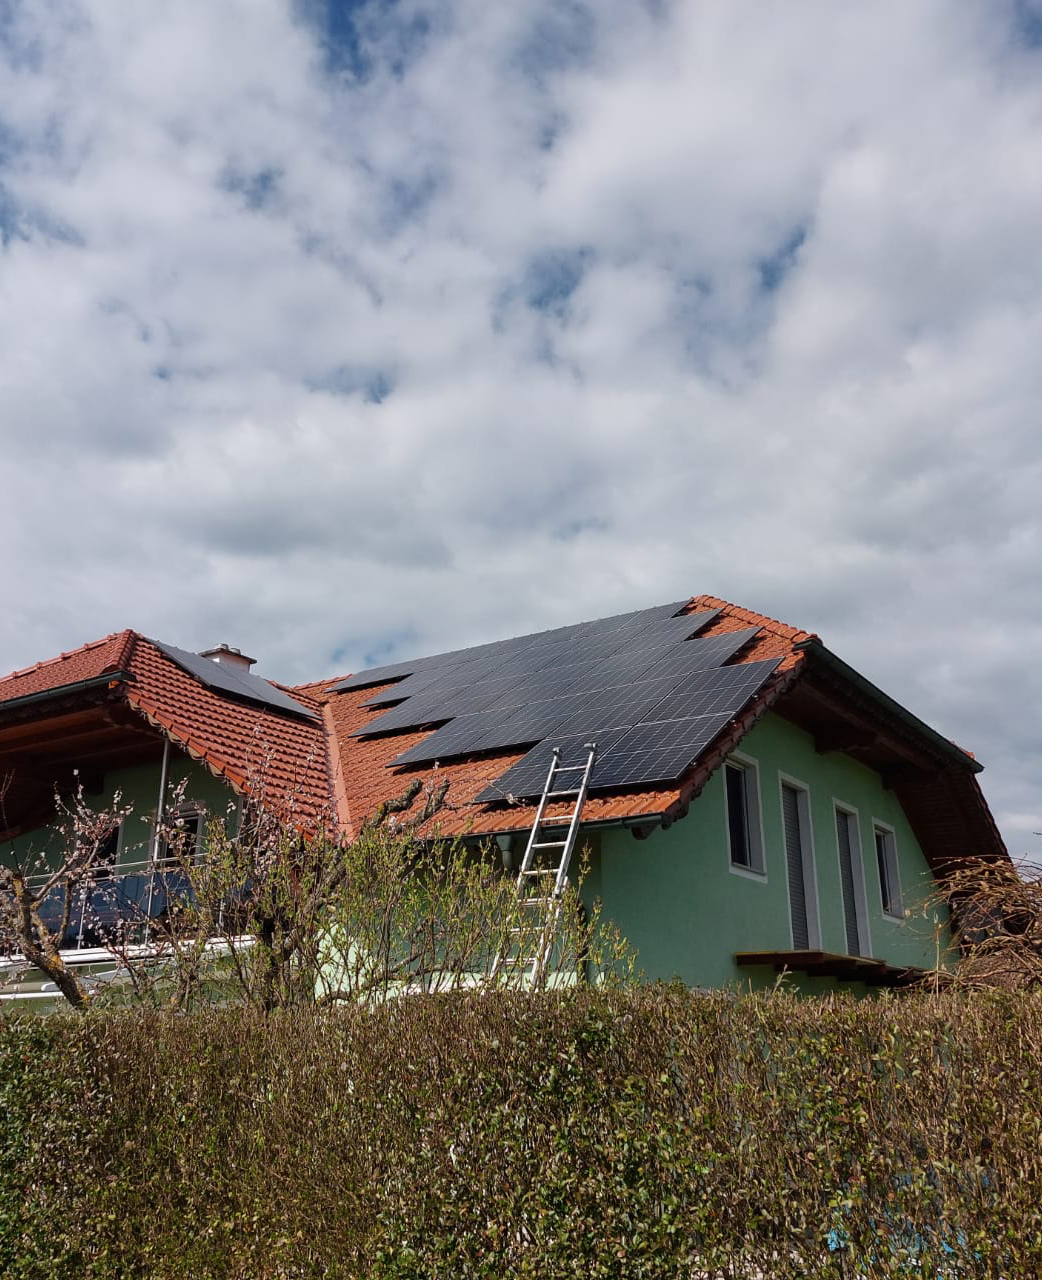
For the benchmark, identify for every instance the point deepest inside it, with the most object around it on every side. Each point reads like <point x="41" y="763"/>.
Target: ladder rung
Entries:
<point x="570" y="768"/>
<point x="557" y="795"/>
<point x="536" y="902"/>
<point x="550" y="844"/>
<point x="540" y="871"/>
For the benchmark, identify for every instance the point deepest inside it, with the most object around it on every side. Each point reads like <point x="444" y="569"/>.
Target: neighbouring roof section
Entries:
<point x="271" y="751"/>
<point x="88" y="662"/>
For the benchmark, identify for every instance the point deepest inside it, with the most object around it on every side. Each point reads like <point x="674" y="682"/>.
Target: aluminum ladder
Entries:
<point x="547" y="860"/>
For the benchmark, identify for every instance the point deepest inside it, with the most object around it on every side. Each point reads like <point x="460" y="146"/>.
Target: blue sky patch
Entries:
<point x="774" y="268"/>
<point x="374" y="385"/>
<point x="552" y="277"/>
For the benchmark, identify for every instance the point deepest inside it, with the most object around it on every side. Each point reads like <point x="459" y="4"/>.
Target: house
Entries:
<point x="755" y="806"/>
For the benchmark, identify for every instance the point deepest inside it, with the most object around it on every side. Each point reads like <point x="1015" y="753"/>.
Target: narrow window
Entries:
<point x="744" y="837"/>
<point x="846" y="838"/>
<point x="795" y="859"/>
<point x="738" y="815"/>
<point x="889" y="883"/>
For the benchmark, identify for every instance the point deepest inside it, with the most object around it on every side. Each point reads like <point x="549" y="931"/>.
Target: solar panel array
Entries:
<point x="240" y="684"/>
<point x="644" y="686"/>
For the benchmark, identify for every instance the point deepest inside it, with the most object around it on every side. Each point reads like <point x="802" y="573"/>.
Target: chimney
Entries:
<point x="225" y="656"/>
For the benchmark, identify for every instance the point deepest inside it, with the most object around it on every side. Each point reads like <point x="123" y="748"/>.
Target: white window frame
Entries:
<point x="184" y="812"/>
<point x="810" y="862"/>
<point x="858" y="868"/>
<point x="750" y="768"/>
<point x="880" y="828"/>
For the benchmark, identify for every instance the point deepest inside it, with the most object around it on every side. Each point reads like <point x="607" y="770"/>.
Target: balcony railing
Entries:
<point x="107" y="907"/>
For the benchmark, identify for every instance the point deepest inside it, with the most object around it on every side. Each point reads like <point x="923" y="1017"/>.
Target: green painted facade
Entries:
<point x="687" y="911"/>
<point x="138" y="786"/>
<point x="674" y="894"/>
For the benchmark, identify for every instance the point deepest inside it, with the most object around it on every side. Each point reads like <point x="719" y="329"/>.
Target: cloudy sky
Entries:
<point x="342" y="332"/>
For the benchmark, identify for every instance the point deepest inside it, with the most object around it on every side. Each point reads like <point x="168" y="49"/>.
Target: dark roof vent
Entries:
<point x="225" y="656"/>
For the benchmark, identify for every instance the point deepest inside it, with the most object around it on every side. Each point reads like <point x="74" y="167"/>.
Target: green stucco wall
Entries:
<point x="137" y="785"/>
<point x="676" y="898"/>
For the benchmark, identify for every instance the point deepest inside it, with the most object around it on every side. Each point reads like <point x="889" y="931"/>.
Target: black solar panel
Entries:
<point x="239" y="684"/>
<point x="715" y="690"/>
<point x="527" y="777"/>
<point x="650" y="692"/>
<point x="623" y="705"/>
<point x="456" y="738"/>
<point x="629" y="621"/>
<point x="657" y="752"/>
<point x="697" y="655"/>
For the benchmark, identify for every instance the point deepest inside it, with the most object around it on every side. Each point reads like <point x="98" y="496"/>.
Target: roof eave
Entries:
<point x="817" y="653"/>
<point x="108" y="679"/>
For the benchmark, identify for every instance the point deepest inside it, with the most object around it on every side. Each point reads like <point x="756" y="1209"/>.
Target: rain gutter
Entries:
<point x="63" y="690"/>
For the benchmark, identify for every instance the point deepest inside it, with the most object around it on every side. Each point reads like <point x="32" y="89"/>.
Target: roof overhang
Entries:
<point x="823" y="661"/>
<point x="62" y="738"/>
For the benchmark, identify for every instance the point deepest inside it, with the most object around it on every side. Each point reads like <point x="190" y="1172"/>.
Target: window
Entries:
<point x="184" y="831"/>
<point x="850" y="877"/>
<point x="889" y="882"/>
<point x="744" y="836"/>
<point x="799" y="864"/>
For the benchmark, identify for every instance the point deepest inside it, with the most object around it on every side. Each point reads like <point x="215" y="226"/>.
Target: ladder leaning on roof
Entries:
<point x="545" y="859"/>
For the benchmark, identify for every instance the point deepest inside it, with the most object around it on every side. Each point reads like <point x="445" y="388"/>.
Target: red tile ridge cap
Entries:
<point x="315" y="689"/>
<point x="126" y="635"/>
<point x="336" y="772"/>
<point x="126" y="652"/>
<point x="783" y="629"/>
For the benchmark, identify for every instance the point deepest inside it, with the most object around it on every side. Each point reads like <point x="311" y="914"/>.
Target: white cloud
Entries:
<point x="515" y="315"/>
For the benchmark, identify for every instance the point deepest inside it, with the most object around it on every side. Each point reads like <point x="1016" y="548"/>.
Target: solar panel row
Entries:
<point x="651" y="694"/>
<point x="658" y="748"/>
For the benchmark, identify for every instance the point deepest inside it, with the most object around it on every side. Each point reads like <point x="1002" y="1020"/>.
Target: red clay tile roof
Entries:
<point x="86" y="663"/>
<point x="249" y="746"/>
<point x="315" y="768"/>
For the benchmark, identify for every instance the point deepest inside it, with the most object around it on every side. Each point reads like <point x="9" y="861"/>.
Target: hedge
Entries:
<point x="638" y="1133"/>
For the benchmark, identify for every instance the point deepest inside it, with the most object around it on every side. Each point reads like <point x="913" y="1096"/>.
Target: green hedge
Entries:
<point x="586" y="1134"/>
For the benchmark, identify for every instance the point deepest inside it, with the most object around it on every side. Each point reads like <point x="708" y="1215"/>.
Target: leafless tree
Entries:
<point x="280" y="913"/>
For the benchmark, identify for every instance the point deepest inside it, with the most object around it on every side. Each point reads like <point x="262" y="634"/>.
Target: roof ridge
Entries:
<point x="126" y="652"/>
<point x="22" y="672"/>
<point x="783" y="629"/>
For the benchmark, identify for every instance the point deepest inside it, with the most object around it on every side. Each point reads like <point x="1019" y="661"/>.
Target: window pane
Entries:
<point x="886" y="859"/>
<point x="796" y="870"/>
<point x="738" y="815"/>
<point x="844" y="823"/>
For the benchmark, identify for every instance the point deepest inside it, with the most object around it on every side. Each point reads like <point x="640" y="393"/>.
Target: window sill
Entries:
<point x="747" y="873"/>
